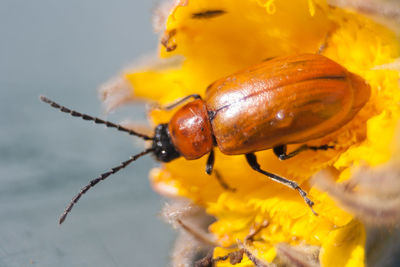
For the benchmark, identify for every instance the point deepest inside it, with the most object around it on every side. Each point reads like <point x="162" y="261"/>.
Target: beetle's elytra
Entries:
<point x="285" y="100"/>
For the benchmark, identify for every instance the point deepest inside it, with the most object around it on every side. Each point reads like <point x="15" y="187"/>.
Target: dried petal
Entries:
<point x="300" y="256"/>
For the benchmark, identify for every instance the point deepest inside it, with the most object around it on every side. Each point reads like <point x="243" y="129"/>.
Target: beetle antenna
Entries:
<point x="102" y="177"/>
<point x="95" y="119"/>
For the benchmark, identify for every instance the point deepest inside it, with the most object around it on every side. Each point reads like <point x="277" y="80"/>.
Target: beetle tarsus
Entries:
<point x="309" y="202"/>
<point x="323" y="147"/>
<point x="281" y="151"/>
<point x="252" y="161"/>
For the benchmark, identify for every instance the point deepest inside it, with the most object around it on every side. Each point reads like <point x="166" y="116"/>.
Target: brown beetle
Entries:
<point x="281" y="101"/>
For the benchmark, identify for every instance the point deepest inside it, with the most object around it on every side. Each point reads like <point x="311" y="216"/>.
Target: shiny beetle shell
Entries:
<point x="285" y="100"/>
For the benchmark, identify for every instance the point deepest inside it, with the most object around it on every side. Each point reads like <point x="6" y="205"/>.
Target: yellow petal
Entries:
<point x="344" y="246"/>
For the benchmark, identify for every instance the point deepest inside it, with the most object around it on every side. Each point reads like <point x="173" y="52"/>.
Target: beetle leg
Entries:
<point x="209" y="169"/>
<point x="323" y="147"/>
<point x="180" y="101"/>
<point x="252" y="160"/>
<point x="324" y="45"/>
<point x="280" y="151"/>
<point x="222" y="182"/>
<point x="210" y="162"/>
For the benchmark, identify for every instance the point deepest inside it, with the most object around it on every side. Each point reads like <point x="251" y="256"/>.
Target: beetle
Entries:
<point x="281" y="101"/>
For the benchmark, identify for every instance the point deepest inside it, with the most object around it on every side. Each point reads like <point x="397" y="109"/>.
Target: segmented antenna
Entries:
<point x="102" y="177"/>
<point x="95" y="119"/>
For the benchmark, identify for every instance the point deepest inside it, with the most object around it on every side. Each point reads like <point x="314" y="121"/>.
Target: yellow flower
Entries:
<point x="205" y="40"/>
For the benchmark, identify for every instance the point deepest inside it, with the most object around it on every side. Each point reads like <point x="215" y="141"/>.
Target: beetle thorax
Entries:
<point x="190" y="130"/>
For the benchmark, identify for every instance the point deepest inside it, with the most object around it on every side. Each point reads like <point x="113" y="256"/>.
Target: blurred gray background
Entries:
<point x="65" y="50"/>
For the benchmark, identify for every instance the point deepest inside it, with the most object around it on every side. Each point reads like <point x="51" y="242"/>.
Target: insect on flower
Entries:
<point x="281" y="101"/>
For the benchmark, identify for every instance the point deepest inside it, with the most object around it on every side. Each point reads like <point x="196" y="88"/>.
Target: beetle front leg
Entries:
<point x="252" y="160"/>
<point x="209" y="169"/>
<point x="222" y="182"/>
<point x="210" y="162"/>
<point x="280" y="151"/>
<point x="179" y="101"/>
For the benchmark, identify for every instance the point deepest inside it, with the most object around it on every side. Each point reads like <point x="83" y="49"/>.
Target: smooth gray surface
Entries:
<point x="65" y="50"/>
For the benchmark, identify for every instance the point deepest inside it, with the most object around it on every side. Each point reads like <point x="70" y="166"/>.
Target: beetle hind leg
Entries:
<point x="281" y="151"/>
<point x="252" y="161"/>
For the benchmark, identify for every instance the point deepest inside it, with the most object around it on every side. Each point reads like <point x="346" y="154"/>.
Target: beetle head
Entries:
<point x="163" y="148"/>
